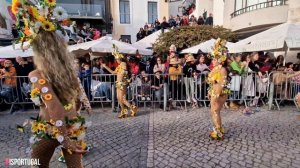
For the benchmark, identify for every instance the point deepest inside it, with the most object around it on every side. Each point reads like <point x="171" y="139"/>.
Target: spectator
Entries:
<point x="85" y="77"/>
<point x="172" y="21"/>
<point x="164" y="24"/>
<point x="157" y="24"/>
<point x="202" y="70"/>
<point x="178" y="20"/>
<point x="174" y="71"/>
<point x="7" y="74"/>
<point x="289" y="67"/>
<point x="134" y="67"/>
<point x="2" y="63"/>
<point x="157" y="85"/>
<point x="23" y="68"/>
<point x="140" y="35"/>
<point x="266" y="65"/>
<point x="14" y="31"/>
<point x="97" y="34"/>
<point x="201" y="66"/>
<point x="279" y="62"/>
<point x="85" y="33"/>
<point x="97" y="69"/>
<point x="145" y="88"/>
<point x="189" y="71"/>
<point x="159" y="66"/>
<point x="236" y="69"/>
<point x="184" y="21"/>
<point x="148" y="67"/>
<point x="146" y="30"/>
<point x="210" y="20"/>
<point x="200" y="20"/>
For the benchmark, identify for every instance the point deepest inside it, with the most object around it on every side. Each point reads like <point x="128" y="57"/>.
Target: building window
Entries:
<point x="152" y="12"/>
<point x="239" y="4"/>
<point x="124" y="12"/>
<point x="253" y="2"/>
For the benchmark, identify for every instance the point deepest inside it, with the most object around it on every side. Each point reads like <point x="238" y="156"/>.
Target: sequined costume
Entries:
<point x="218" y="88"/>
<point x="122" y="84"/>
<point x="57" y="124"/>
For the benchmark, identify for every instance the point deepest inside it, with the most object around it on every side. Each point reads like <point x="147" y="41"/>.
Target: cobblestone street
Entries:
<point x="176" y="139"/>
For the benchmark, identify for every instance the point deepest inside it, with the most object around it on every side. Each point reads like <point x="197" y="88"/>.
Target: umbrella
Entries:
<point x="105" y="45"/>
<point x="148" y="41"/>
<point x="279" y="38"/>
<point x="205" y="47"/>
<point x="10" y="52"/>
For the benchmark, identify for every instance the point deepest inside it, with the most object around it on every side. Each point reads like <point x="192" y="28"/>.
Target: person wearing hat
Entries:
<point x="174" y="71"/>
<point x="157" y="85"/>
<point x="8" y="73"/>
<point x="189" y="71"/>
<point x="218" y="88"/>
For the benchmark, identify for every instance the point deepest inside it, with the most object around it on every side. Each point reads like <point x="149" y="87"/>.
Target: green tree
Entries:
<point x="188" y="36"/>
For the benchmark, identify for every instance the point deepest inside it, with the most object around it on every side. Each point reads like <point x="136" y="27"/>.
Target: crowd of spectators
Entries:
<point x="12" y="88"/>
<point x="177" y="21"/>
<point x="183" y="75"/>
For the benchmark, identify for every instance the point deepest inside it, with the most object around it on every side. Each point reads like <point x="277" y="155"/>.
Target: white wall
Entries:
<point x="173" y="8"/>
<point x="218" y="12"/>
<point x="138" y="17"/>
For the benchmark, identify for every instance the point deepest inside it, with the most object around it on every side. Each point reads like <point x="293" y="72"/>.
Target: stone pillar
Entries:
<point x="294" y="11"/>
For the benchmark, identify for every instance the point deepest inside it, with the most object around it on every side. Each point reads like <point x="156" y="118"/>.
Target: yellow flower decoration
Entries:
<point x="51" y="2"/>
<point x="52" y="121"/>
<point x="68" y="106"/>
<point x="48" y="96"/>
<point x="83" y="144"/>
<point x="42" y="81"/>
<point x="42" y="127"/>
<point x="35" y="12"/>
<point x="48" y="26"/>
<point x="35" y="92"/>
<point x="16" y="4"/>
<point x="34" y="128"/>
<point x="41" y="18"/>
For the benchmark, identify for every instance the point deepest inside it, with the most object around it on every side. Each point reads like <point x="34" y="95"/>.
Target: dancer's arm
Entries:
<point x="55" y="108"/>
<point x="293" y="75"/>
<point x="108" y="69"/>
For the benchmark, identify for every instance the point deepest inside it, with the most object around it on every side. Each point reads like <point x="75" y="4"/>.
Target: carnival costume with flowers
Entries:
<point x="218" y="88"/>
<point x="58" y="123"/>
<point x="121" y="85"/>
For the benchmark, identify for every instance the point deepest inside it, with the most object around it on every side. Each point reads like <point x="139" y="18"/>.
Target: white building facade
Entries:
<point x="130" y="15"/>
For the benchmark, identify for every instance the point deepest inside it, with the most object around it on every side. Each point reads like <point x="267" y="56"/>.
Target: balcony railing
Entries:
<point x="84" y="10"/>
<point x="258" y="6"/>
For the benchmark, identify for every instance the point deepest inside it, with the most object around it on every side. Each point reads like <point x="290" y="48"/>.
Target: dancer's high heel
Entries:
<point x="217" y="134"/>
<point x="134" y="110"/>
<point x="123" y="114"/>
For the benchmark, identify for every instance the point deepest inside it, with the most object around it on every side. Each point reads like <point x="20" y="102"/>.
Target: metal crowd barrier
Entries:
<point x="15" y="91"/>
<point x="167" y="90"/>
<point x="283" y="88"/>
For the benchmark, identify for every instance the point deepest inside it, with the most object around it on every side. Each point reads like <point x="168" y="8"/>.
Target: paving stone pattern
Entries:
<point x="175" y="139"/>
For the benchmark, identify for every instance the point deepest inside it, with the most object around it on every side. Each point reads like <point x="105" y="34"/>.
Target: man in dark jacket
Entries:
<point x="210" y="20"/>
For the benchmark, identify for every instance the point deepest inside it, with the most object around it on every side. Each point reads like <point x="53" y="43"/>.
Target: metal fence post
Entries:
<point x="165" y="97"/>
<point x="113" y="98"/>
<point x="271" y="95"/>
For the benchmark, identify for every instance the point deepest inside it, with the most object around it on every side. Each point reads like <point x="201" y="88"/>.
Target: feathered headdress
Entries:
<point x="35" y="15"/>
<point x="116" y="52"/>
<point x="219" y="50"/>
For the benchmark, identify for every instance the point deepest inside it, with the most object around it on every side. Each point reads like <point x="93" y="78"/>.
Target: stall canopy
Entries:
<point x="13" y="52"/>
<point x="205" y="47"/>
<point x="279" y="38"/>
<point x="105" y="45"/>
<point x="148" y="41"/>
